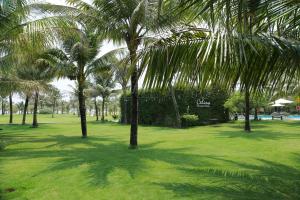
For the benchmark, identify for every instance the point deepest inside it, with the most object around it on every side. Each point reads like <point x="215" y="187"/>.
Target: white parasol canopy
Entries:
<point x="277" y="105"/>
<point x="283" y="101"/>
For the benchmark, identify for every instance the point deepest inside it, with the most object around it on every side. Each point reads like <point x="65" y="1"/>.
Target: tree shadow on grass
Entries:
<point x="254" y="125"/>
<point x="267" y="181"/>
<point x="257" y="135"/>
<point x="21" y="133"/>
<point x="103" y="156"/>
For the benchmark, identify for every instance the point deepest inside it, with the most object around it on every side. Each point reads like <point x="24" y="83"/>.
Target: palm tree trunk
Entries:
<point x="134" y="110"/>
<point x="176" y="109"/>
<point x="125" y="106"/>
<point x="106" y="109"/>
<point x="96" y="109"/>
<point x="53" y="109"/>
<point x="132" y="46"/>
<point x="247" y="110"/>
<point x="10" y="109"/>
<point x="25" y="110"/>
<point x="255" y="114"/>
<point x="35" y="107"/>
<point x="103" y="109"/>
<point x="3" y="107"/>
<point x="82" y="109"/>
<point x="62" y="108"/>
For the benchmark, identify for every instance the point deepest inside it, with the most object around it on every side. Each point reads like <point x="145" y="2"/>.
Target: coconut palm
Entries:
<point x="128" y="21"/>
<point x="54" y="95"/>
<point x="8" y="87"/>
<point x="39" y="70"/>
<point x="104" y="85"/>
<point x="77" y="60"/>
<point x="236" y="46"/>
<point x="93" y="94"/>
<point x="122" y="69"/>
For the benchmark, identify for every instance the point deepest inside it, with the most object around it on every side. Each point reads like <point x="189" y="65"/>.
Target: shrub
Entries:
<point x="45" y="111"/>
<point x="115" y="117"/>
<point x="189" y="120"/>
<point x="156" y="106"/>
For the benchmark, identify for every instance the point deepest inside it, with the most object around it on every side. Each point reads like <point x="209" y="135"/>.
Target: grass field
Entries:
<point x="52" y="162"/>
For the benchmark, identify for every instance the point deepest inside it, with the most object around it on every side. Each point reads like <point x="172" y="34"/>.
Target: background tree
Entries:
<point x="104" y="85"/>
<point x="54" y="95"/>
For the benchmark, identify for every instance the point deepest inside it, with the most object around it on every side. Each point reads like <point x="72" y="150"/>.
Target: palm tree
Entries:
<point x="131" y="21"/>
<point x="122" y="69"/>
<point x="92" y="93"/>
<point x="78" y="60"/>
<point x="54" y="95"/>
<point x="8" y="87"/>
<point x="128" y="21"/>
<point x="236" y="46"/>
<point x="40" y="71"/>
<point x="104" y="84"/>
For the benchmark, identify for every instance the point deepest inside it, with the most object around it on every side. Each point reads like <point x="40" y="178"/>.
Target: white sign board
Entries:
<point x="201" y="103"/>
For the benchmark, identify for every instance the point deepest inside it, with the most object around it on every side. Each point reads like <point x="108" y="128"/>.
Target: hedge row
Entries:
<point x="156" y="106"/>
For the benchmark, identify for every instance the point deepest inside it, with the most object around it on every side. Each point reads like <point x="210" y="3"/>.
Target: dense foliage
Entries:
<point x="156" y="106"/>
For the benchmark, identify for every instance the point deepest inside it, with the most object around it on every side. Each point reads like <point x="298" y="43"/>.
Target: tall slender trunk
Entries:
<point x="82" y="108"/>
<point x="255" y="114"/>
<point x="125" y="106"/>
<point x="35" y="107"/>
<point x="134" y="102"/>
<point x="62" y="108"/>
<point x="96" y="109"/>
<point x="10" y="109"/>
<point x="3" y="106"/>
<point x="176" y="109"/>
<point x="25" y="110"/>
<point x="103" y="109"/>
<point x="247" y="110"/>
<point x="134" y="109"/>
<point x="132" y="45"/>
<point x="53" y="108"/>
<point x="106" y="109"/>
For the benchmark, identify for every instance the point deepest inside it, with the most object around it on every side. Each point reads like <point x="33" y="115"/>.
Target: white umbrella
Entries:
<point x="277" y="105"/>
<point x="283" y="101"/>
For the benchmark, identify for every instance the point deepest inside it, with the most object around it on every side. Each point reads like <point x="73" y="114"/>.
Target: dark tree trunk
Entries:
<point x="132" y="44"/>
<point x="35" y="108"/>
<point x="103" y="109"/>
<point x="53" y="109"/>
<point x="134" y="110"/>
<point x="255" y="114"/>
<point x="106" y="109"/>
<point x="25" y="110"/>
<point x="62" y="109"/>
<point x="176" y="109"/>
<point x="96" y="109"/>
<point x="82" y="109"/>
<point x="247" y="110"/>
<point x="10" y="109"/>
<point x="125" y="107"/>
<point x="3" y="107"/>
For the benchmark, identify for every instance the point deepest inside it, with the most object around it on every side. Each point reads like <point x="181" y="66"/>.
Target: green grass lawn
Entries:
<point x="211" y="162"/>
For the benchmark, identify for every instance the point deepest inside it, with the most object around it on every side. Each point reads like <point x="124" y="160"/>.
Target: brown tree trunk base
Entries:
<point x="247" y="111"/>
